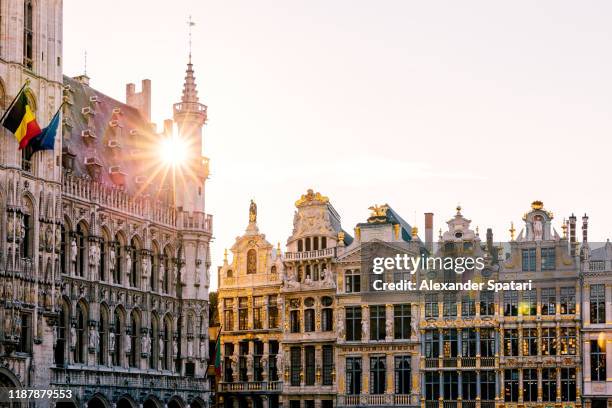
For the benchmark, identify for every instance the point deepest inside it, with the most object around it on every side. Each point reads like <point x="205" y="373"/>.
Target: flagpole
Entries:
<point x="14" y="99"/>
<point x="56" y="112"/>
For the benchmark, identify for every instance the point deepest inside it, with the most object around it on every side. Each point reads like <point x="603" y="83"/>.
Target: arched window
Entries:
<point x="28" y="34"/>
<point x="134" y="259"/>
<point x="315" y="243"/>
<point x="167" y="339"/>
<point x="2" y="96"/>
<point x="309" y="315"/>
<point x="300" y="245"/>
<point x="251" y="261"/>
<point x="80" y="351"/>
<point x="27" y="244"/>
<point x="154" y="268"/>
<point x="135" y="339"/>
<point x="118" y="264"/>
<point x="103" y="336"/>
<point x="154" y="333"/>
<point x="167" y="270"/>
<point x="62" y="334"/>
<point x="307" y="244"/>
<point x="103" y="251"/>
<point x="119" y="320"/>
<point x="63" y="251"/>
<point x="81" y="261"/>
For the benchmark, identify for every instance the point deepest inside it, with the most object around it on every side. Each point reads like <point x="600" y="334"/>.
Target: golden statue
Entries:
<point x="252" y="212"/>
<point x="379" y="210"/>
<point x="311" y="197"/>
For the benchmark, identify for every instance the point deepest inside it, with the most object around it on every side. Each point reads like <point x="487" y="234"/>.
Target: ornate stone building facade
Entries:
<point x="103" y="264"/>
<point x="343" y="344"/>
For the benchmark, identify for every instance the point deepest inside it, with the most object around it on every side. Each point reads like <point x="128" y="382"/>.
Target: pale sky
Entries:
<point x="418" y="104"/>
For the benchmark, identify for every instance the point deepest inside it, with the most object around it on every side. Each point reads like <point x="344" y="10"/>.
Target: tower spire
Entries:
<point x="190" y="23"/>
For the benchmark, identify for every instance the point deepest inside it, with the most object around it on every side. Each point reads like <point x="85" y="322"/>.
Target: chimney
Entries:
<point x="168" y="124"/>
<point x="429" y="230"/>
<point x="490" y="247"/>
<point x="572" y="234"/>
<point x="140" y="100"/>
<point x="585" y="228"/>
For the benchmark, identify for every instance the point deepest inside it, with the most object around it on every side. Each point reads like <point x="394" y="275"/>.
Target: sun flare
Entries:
<point x="173" y="151"/>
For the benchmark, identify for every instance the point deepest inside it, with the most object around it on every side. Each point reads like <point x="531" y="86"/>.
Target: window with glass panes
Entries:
<point x="450" y="305"/>
<point x="487" y="303"/>
<point x="309" y="320"/>
<point x="272" y="368"/>
<point x="598" y="360"/>
<point x="327" y="314"/>
<point x="449" y="343"/>
<point x="258" y="304"/>
<point x="309" y="355"/>
<point x="294" y="321"/>
<point x="377" y="322"/>
<point x="353" y="281"/>
<point x="549" y="341"/>
<point x="549" y="301"/>
<point x="511" y="342"/>
<point x="378" y="371"/>
<point x="468" y="342"/>
<point x="530" y="342"/>
<point x="568" y="341"/>
<point x="549" y="384"/>
<point x="468" y="306"/>
<point x="431" y="305"/>
<point x="432" y="386"/>
<point x="511" y="385"/>
<point x="487" y="385"/>
<point x="401" y="321"/>
<point x="243" y="313"/>
<point x="402" y="374"/>
<point x="296" y="365"/>
<point x="273" y="311"/>
<point x="243" y="348"/>
<point x="511" y="303"/>
<point x="450" y="381"/>
<point x="548" y="259"/>
<point x="468" y="385"/>
<point x="432" y="344"/>
<point x="530" y="384"/>
<point x="487" y="342"/>
<point x="328" y="364"/>
<point x="568" y="300"/>
<point x="568" y="384"/>
<point x="228" y="314"/>
<point x="353" y="375"/>
<point x="257" y="366"/>
<point x="228" y="352"/>
<point x="528" y="305"/>
<point x="598" y="303"/>
<point x="353" y="323"/>
<point x="529" y="260"/>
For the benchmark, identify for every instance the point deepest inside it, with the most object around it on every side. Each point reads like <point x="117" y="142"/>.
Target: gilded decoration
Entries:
<point x="311" y="198"/>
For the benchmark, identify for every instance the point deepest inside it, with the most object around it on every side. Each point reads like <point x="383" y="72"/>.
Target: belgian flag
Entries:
<point x="21" y="120"/>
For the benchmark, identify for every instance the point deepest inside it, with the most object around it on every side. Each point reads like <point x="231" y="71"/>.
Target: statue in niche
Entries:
<point x="253" y="212"/>
<point x="73" y="250"/>
<point x="328" y="279"/>
<point x="112" y="258"/>
<point x="111" y="341"/>
<point x="128" y="261"/>
<point x="538" y="230"/>
<point x="162" y="272"/>
<point x="161" y="346"/>
<point x="73" y="337"/>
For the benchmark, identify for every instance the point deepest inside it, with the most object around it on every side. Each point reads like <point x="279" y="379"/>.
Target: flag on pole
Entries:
<point x="46" y="139"/>
<point x="218" y="354"/>
<point x="21" y="120"/>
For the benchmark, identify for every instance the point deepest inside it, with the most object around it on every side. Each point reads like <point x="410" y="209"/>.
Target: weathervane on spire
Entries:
<point x="190" y="23"/>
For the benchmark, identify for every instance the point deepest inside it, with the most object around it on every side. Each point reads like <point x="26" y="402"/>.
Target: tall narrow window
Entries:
<point x="243" y="313"/>
<point x="530" y="384"/>
<point x="80" y="351"/>
<point x="102" y="264"/>
<point x="549" y="301"/>
<point x="377" y="322"/>
<point x="432" y="386"/>
<point x="328" y="364"/>
<point x="401" y="321"/>
<point x="402" y="375"/>
<point x="511" y="342"/>
<point x="378" y="369"/>
<point x="568" y="384"/>
<point x="273" y="311"/>
<point x="296" y="365"/>
<point x="530" y="342"/>
<point x="432" y="344"/>
<point x="568" y="341"/>
<point x="81" y="260"/>
<point x="62" y="335"/>
<point x="451" y="385"/>
<point x="309" y="355"/>
<point x="243" y="349"/>
<point x="468" y="343"/>
<point x="24" y="345"/>
<point x="327" y="314"/>
<point x="28" y="34"/>
<point x="431" y="305"/>
<point x="353" y="281"/>
<point x="528" y="304"/>
<point x="228" y="352"/>
<point x="598" y="360"/>
<point x="63" y="251"/>
<point x="549" y="259"/>
<point x="26" y="242"/>
<point x="468" y="306"/>
<point x="598" y="303"/>
<point x="273" y="350"/>
<point x="468" y="380"/>
<point x="487" y="342"/>
<point x="549" y="341"/>
<point x="258" y="304"/>
<point x="257" y="367"/>
<point x="353" y="323"/>
<point x="449" y="343"/>
<point x="353" y="375"/>
<point x="103" y="336"/>
<point x="511" y="385"/>
<point x="529" y="260"/>
<point x="450" y="304"/>
<point x="511" y="303"/>
<point x="549" y="384"/>
<point x="487" y="304"/>
<point x="228" y="313"/>
<point x="135" y="339"/>
<point x="487" y="385"/>
<point x="568" y="300"/>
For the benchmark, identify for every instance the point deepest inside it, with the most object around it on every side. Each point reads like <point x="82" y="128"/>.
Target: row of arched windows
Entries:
<point x="114" y="340"/>
<point x="115" y="261"/>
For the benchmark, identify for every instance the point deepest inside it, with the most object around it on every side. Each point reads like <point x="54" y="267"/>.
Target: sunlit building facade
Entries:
<point x="103" y="261"/>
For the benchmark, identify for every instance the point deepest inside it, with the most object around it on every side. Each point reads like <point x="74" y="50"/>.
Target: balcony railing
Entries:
<point x="319" y="253"/>
<point x="247" y="386"/>
<point x="379" y="400"/>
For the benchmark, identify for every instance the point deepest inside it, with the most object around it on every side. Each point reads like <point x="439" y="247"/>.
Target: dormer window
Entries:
<point x="87" y="110"/>
<point x="117" y="175"/>
<point x="88" y="135"/>
<point x="94" y="167"/>
<point x="116" y="111"/>
<point x="94" y="99"/>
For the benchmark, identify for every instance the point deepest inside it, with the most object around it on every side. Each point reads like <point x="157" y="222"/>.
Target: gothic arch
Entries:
<point x="98" y="400"/>
<point x="197" y="402"/>
<point x="126" y="401"/>
<point x="81" y="331"/>
<point x="3" y="101"/>
<point x="176" y="402"/>
<point x="152" y="401"/>
<point x="135" y="328"/>
<point x="103" y="330"/>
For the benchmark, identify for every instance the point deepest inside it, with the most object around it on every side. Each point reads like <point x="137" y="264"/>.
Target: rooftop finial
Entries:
<point x="85" y="64"/>
<point x="190" y="23"/>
